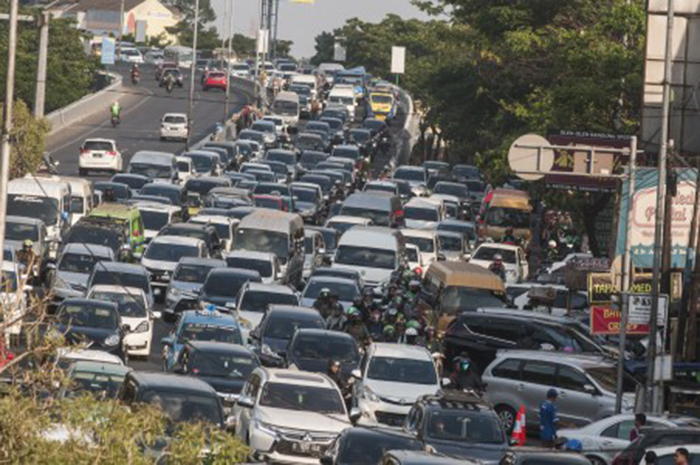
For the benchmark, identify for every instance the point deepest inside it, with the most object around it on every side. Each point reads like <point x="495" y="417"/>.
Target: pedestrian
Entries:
<point x="682" y="456"/>
<point x="639" y="421"/>
<point x="548" y="419"/>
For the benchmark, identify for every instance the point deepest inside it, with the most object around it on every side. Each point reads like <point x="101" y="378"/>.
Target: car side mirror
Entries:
<point x="156" y="315"/>
<point x="590" y="389"/>
<point x="167" y="342"/>
<point x="245" y="401"/>
<point x="356" y="373"/>
<point x="441" y="257"/>
<point x="254" y="334"/>
<point x="355" y="414"/>
<point x="446" y="382"/>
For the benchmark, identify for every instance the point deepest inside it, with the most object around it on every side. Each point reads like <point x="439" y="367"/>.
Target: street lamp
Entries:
<point x="190" y="100"/>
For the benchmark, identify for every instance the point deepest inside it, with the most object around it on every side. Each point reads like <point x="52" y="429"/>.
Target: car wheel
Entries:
<point x="507" y="416"/>
<point x="597" y="461"/>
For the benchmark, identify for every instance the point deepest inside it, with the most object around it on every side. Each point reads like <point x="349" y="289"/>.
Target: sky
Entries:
<point x="301" y="23"/>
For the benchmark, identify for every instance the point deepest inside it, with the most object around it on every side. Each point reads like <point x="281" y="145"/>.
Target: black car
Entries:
<point x="176" y="194"/>
<point x="440" y="423"/>
<point x="542" y="457"/>
<point x="100" y="231"/>
<point x="134" y="181"/>
<point x="222" y="365"/>
<point x="92" y="321"/>
<point x="483" y="333"/>
<point x="310" y="158"/>
<point x="222" y="286"/>
<point x="203" y="232"/>
<point x="119" y="192"/>
<point x="361" y="446"/>
<point x="656" y="437"/>
<point x="182" y="398"/>
<point x="271" y="338"/>
<point x="312" y="349"/>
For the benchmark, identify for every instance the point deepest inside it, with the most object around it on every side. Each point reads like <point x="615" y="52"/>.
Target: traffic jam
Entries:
<point x="300" y="285"/>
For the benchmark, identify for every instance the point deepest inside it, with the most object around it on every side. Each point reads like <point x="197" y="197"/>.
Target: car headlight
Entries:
<point x="264" y="427"/>
<point x="142" y="327"/>
<point x="245" y="324"/>
<point x="510" y="272"/>
<point x="174" y="292"/>
<point x="112" y="340"/>
<point x="369" y="395"/>
<point x="266" y="350"/>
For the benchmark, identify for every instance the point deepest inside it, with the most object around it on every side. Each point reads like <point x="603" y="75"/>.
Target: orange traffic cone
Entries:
<point x="518" y="436"/>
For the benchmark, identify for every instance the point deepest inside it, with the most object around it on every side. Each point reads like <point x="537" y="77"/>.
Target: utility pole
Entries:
<point x="228" y="52"/>
<point x="7" y="118"/>
<point x="121" y="30"/>
<point x="40" y="96"/>
<point x="660" y="204"/>
<point x="190" y="102"/>
<point x="626" y="273"/>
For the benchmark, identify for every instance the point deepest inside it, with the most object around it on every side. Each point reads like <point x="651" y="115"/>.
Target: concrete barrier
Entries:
<point x="85" y="107"/>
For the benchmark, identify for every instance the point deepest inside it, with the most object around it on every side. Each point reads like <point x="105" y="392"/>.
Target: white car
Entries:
<point x="240" y="70"/>
<point x="603" y="439"/>
<point x="279" y="123"/>
<point x="225" y="228"/>
<point x="666" y="455"/>
<point x="514" y="261"/>
<point x="133" y="308"/>
<point x="391" y="380"/>
<point x="423" y="213"/>
<point x="174" y="126"/>
<point x="427" y="242"/>
<point x="163" y="254"/>
<point x="342" y="223"/>
<point x="265" y="263"/>
<point x="156" y="216"/>
<point x="131" y="55"/>
<point x="185" y="169"/>
<point x="414" y="257"/>
<point x="289" y="416"/>
<point x="99" y="155"/>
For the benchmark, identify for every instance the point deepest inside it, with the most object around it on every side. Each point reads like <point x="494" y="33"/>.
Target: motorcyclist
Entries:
<point x="26" y="256"/>
<point x="367" y="304"/>
<point x="135" y="71"/>
<point x="357" y="328"/>
<point x="115" y="110"/>
<point x="169" y="81"/>
<point x="413" y="291"/>
<point x="497" y="267"/>
<point x="389" y="333"/>
<point x="337" y="321"/>
<point x="552" y="253"/>
<point x="375" y="325"/>
<point x="324" y="303"/>
<point x="431" y="341"/>
<point x="334" y="373"/>
<point x="509" y="237"/>
<point x="465" y="375"/>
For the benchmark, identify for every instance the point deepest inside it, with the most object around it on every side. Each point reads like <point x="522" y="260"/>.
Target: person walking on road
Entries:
<point x="548" y="419"/>
<point x="639" y="421"/>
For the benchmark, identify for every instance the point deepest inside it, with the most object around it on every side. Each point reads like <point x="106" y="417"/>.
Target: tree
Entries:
<point x="28" y="141"/>
<point x="324" y="48"/>
<point x="160" y="41"/>
<point x="242" y="45"/>
<point x="283" y="48"/>
<point x="184" y="30"/>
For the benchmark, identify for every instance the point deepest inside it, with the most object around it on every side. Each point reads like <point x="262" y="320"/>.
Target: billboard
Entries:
<point x="644" y="218"/>
<point x="398" y="60"/>
<point x="108" y="46"/>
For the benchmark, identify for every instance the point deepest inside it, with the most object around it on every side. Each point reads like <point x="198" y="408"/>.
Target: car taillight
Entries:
<point x="399" y="213"/>
<point x="84" y="151"/>
<point x="112" y="153"/>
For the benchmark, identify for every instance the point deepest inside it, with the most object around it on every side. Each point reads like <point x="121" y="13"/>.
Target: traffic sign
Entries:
<point x="398" y="60"/>
<point x="640" y="309"/>
<point x="530" y="157"/>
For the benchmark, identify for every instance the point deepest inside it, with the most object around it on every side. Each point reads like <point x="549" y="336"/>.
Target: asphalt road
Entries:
<point x="143" y="106"/>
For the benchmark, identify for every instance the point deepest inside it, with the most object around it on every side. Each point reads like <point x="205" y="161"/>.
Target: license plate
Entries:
<point x="96" y="155"/>
<point x="306" y="447"/>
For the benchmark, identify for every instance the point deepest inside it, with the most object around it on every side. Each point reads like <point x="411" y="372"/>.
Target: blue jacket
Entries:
<point x="548" y="421"/>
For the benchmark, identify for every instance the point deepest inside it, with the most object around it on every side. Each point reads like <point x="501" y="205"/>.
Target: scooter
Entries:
<point x="115" y="121"/>
<point x="135" y="78"/>
<point x="169" y="86"/>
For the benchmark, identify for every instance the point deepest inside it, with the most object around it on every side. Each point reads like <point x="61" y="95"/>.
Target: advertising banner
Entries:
<point x="606" y="321"/>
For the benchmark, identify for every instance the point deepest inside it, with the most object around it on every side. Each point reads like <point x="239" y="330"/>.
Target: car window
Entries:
<point x="539" y="373"/>
<point x="571" y="379"/>
<point x="510" y="369"/>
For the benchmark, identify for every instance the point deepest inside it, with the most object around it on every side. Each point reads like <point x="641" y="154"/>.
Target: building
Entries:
<point x="102" y="16"/>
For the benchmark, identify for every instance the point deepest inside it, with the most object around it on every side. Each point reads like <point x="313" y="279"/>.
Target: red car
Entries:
<point x="214" y="80"/>
<point x="273" y="202"/>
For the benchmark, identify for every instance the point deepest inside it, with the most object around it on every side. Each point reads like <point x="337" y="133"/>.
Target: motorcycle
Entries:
<point x="115" y="121"/>
<point x="169" y="86"/>
<point x="135" y="78"/>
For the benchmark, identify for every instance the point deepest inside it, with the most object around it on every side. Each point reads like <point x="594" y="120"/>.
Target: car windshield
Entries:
<point x="258" y="301"/>
<point x="181" y="407"/>
<point x="21" y="231"/>
<point x="41" y="208"/>
<point x="466" y="171"/>
<point x="457" y="299"/>
<point x="464" y="426"/>
<point x="155" y="220"/>
<point x="171" y="119"/>
<point x="121" y="279"/>
<point x="129" y="306"/>
<point x="382" y="99"/>
<point x="271" y="189"/>
<point x="131" y="181"/>
<point x="346" y="292"/>
<point x="465" y="230"/>
<point x="457" y="190"/>
<point x="285" y="108"/>
<point x="173" y="194"/>
<point x="305" y="195"/>
<point x="78" y="263"/>
<point x="285" y="327"/>
<point x="378" y="217"/>
<point x="224" y="284"/>
<point x="366" y="257"/>
<point x="475" y="186"/>
<point x="410" y="174"/>
<point x="498" y="216"/>
<point x="262" y="266"/>
<point x="187" y="273"/>
<point x="95" y="382"/>
<point x="341" y="226"/>
<point x="451" y="244"/>
<point x="349" y="153"/>
<point x="402" y="370"/>
<point x="170" y="252"/>
<point x="360" y="136"/>
<point x="424" y="244"/>
<point x="488" y="254"/>
<point x="302" y="398"/>
<point x="412" y="254"/>
<point x="361" y="449"/>
<point x="221" y="364"/>
<point x="202" y="163"/>
<point x="262" y="241"/>
<point x="209" y="332"/>
<point x="282" y="157"/>
<point x="420" y="214"/>
<point x="607" y="378"/>
<point x="324" y="347"/>
<point x="88" y="316"/>
<point x="152" y="171"/>
<point x="263" y="126"/>
<point x="391" y="188"/>
<point x="98" y="145"/>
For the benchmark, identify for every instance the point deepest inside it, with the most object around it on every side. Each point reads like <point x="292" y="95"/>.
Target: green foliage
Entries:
<point x="70" y="72"/>
<point x="207" y="39"/>
<point x="284" y="48"/>
<point x="244" y="46"/>
<point x="159" y="41"/>
<point x="324" y="48"/>
<point x="28" y="141"/>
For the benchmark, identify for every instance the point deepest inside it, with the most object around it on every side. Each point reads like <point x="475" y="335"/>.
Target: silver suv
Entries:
<point x="585" y="383"/>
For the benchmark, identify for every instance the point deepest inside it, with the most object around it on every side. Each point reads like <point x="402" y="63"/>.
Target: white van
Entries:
<point x="44" y="198"/>
<point x="286" y="105"/>
<point x="82" y="197"/>
<point x="374" y="252"/>
<point x="423" y="213"/>
<point x="344" y="96"/>
<point x="308" y="80"/>
<point x="427" y="242"/>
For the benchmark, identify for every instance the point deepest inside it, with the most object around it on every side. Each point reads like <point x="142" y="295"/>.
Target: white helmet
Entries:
<point x="552" y="243"/>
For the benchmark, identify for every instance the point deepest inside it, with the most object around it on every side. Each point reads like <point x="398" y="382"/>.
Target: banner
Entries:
<point x="606" y="321"/>
<point x="108" y="50"/>
<point x="601" y="287"/>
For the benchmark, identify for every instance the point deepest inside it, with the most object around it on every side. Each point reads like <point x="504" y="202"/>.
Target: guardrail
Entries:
<point x="85" y="107"/>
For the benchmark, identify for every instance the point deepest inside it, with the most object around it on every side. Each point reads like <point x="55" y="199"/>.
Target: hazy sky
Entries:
<point x="302" y="23"/>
